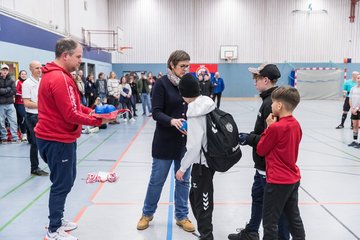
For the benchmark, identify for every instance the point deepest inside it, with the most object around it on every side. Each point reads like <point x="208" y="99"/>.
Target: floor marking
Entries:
<point x="45" y="191"/>
<point x="229" y="203"/>
<point x="171" y="206"/>
<point x="119" y="159"/>
<point x="23" y="210"/>
<point x="327" y="144"/>
<point x="331" y="214"/>
<point x="80" y="214"/>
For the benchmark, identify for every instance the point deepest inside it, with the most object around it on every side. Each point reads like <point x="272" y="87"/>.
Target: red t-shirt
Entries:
<point x="279" y="144"/>
<point x="18" y="96"/>
<point x="60" y="112"/>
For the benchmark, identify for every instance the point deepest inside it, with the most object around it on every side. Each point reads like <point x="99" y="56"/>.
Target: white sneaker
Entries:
<point x="132" y="120"/>
<point x="24" y="138"/>
<point x="60" y="234"/>
<point x="125" y="120"/>
<point x="67" y="225"/>
<point x="94" y="130"/>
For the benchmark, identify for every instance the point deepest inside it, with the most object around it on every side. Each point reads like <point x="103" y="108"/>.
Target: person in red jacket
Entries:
<point x="279" y="144"/>
<point x="60" y="118"/>
<point x="19" y="106"/>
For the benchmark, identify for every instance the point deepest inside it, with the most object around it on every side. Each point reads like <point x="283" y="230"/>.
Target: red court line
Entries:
<point x="224" y="203"/>
<point x="80" y="214"/>
<point x="82" y="211"/>
<point x="119" y="159"/>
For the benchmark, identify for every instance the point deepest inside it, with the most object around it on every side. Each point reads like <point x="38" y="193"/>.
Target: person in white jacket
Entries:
<point x="201" y="192"/>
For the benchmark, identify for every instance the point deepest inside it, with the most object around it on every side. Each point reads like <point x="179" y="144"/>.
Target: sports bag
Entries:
<point x="223" y="148"/>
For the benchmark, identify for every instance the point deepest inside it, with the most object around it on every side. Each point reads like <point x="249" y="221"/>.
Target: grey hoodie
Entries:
<point x="196" y="131"/>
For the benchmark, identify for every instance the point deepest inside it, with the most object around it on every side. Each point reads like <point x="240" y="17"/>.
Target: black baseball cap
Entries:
<point x="270" y="71"/>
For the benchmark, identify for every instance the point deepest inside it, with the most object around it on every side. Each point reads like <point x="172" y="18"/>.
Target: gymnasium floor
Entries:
<point x="329" y="194"/>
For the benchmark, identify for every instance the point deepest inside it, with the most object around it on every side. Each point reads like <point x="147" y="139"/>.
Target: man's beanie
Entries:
<point x="189" y="86"/>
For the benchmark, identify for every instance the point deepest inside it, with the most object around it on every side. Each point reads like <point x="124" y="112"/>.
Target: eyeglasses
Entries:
<point x="184" y="66"/>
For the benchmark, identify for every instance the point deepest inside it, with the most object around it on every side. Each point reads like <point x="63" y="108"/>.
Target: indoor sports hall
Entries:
<point x="314" y="45"/>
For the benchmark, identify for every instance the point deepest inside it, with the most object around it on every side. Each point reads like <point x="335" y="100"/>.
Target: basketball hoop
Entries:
<point x="122" y="49"/>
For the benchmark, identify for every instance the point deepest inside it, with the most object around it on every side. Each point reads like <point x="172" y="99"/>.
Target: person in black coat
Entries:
<point x="90" y="90"/>
<point x="7" y="109"/>
<point x="206" y="87"/>
<point x="168" y="146"/>
<point x="265" y="77"/>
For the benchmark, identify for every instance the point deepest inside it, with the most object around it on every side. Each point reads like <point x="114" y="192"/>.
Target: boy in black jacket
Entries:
<point x="265" y="77"/>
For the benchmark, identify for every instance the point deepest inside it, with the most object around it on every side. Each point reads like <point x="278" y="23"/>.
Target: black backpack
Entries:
<point x="223" y="148"/>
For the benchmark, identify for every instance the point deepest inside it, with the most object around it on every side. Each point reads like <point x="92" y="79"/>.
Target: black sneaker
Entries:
<point x="243" y="235"/>
<point x="39" y="172"/>
<point x="353" y="144"/>
<point x="357" y="145"/>
<point x="340" y="127"/>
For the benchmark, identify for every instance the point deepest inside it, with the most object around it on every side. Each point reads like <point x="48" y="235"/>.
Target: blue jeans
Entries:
<point x="8" y="111"/>
<point x="159" y="173"/>
<point x="61" y="159"/>
<point x="145" y="101"/>
<point x="257" y="194"/>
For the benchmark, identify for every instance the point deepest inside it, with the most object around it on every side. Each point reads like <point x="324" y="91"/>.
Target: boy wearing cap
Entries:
<point x="279" y="144"/>
<point x="201" y="192"/>
<point x="7" y="109"/>
<point x="265" y="78"/>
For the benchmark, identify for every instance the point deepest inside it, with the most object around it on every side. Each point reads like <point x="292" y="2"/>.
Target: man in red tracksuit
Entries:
<point x="60" y="118"/>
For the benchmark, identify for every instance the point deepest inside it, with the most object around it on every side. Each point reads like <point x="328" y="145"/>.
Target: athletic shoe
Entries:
<point x="132" y="120"/>
<point x="39" y="172"/>
<point x="353" y="144"/>
<point x="357" y="145"/>
<point x="24" y="138"/>
<point x="60" y="234"/>
<point x="144" y="222"/>
<point x="186" y="225"/>
<point x="94" y="130"/>
<point x="16" y="141"/>
<point x="4" y="141"/>
<point x="243" y="235"/>
<point x="340" y="127"/>
<point x="67" y="225"/>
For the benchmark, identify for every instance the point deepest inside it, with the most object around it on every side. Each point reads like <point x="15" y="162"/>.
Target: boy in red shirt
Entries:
<point x="279" y="144"/>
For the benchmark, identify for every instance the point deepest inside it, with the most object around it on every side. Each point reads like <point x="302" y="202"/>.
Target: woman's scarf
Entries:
<point x="173" y="78"/>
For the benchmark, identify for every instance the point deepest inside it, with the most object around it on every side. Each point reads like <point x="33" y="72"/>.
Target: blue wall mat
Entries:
<point x="18" y="32"/>
<point x="238" y="80"/>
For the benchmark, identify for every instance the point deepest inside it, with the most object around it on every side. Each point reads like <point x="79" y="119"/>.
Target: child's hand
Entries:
<point x="179" y="175"/>
<point x="243" y="138"/>
<point x="271" y="119"/>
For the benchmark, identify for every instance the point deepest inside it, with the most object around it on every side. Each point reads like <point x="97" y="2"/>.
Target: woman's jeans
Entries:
<point x="159" y="173"/>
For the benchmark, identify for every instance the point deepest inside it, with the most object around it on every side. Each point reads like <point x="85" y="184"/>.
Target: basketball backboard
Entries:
<point x="228" y="51"/>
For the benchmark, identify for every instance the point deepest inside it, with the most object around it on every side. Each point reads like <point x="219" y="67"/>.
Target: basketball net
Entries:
<point x="229" y="59"/>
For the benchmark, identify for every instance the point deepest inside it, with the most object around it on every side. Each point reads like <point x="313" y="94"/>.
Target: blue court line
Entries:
<point x="171" y="205"/>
